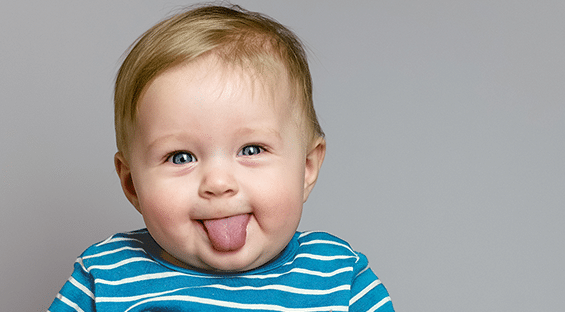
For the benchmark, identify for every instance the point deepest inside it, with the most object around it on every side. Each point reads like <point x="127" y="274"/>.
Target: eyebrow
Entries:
<point x="182" y="137"/>
<point x="248" y="130"/>
<point x="177" y="137"/>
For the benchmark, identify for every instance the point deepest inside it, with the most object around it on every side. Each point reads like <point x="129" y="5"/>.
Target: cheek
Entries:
<point x="278" y="196"/>
<point x="160" y="205"/>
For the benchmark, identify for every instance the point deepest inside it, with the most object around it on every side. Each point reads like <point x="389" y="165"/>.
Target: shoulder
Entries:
<point x="117" y="247"/>
<point x="327" y="247"/>
<point x="367" y="291"/>
<point x="324" y="241"/>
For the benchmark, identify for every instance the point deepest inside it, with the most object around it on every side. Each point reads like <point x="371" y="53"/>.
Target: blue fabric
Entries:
<point x="316" y="272"/>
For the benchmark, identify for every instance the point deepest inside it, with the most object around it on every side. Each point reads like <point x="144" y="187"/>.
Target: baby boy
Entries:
<point x="218" y="149"/>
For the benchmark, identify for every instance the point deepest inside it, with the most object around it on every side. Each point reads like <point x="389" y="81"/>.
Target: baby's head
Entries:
<point x="218" y="141"/>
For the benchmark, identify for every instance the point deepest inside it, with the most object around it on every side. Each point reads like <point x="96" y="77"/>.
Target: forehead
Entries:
<point x="209" y="81"/>
<point x="263" y="82"/>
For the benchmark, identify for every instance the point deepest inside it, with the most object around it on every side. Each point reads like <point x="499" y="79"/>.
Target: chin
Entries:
<point x="234" y="261"/>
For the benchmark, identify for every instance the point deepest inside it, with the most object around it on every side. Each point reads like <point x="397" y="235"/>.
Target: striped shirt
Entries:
<point x="315" y="272"/>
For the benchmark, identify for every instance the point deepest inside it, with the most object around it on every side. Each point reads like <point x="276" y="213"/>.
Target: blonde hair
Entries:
<point x="236" y="35"/>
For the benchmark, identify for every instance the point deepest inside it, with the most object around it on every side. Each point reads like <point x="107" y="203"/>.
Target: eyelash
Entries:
<point x="170" y="157"/>
<point x="260" y="149"/>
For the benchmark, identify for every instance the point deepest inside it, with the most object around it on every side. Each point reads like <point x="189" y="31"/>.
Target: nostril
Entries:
<point x="217" y="190"/>
<point x="217" y="181"/>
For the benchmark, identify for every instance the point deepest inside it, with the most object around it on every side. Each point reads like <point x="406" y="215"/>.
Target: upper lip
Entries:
<point x="219" y="209"/>
<point x="219" y="216"/>
<point x="222" y="217"/>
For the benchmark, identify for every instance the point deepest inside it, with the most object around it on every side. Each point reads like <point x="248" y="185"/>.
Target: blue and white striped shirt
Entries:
<point x="316" y="272"/>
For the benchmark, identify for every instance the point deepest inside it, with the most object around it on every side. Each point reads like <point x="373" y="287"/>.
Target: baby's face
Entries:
<point x="218" y="166"/>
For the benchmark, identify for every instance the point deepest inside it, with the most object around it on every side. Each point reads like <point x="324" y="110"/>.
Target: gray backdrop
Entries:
<point x="445" y="123"/>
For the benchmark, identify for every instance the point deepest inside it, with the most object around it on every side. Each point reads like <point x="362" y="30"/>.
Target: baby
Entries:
<point x="218" y="148"/>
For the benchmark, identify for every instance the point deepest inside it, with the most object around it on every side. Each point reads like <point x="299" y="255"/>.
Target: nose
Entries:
<point x="218" y="180"/>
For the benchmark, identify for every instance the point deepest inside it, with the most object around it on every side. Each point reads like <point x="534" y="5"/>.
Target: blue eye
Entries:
<point x="181" y="158"/>
<point x="251" y="150"/>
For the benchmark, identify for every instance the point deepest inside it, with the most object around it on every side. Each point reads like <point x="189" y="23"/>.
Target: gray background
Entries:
<point x="445" y="123"/>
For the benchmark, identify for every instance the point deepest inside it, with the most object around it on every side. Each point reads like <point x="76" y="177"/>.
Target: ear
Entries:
<point x="314" y="160"/>
<point x="124" y="173"/>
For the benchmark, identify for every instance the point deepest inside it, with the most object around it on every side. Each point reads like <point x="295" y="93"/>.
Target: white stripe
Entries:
<point x="79" y="261"/>
<point x="305" y="234"/>
<point x="315" y="257"/>
<point x="69" y="303"/>
<point x="139" y="278"/>
<point x="172" y="274"/>
<point x="283" y="288"/>
<point x="322" y="258"/>
<point x="318" y="241"/>
<point x="113" y="251"/>
<point x="119" y="264"/>
<point x="323" y="241"/>
<point x="236" y="305"/>
<point x="364" y="291"/>
<point x="301" y="271"/>
<point x="111" y="239"/>
<point x="362" y="271"/>
<point x="105" y="241"/>
<point x="81" y="287"/>
<point x="138" y="297"/>
<point x="379" y="304"/>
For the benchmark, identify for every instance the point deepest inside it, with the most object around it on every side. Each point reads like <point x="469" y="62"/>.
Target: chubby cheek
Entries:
<point x="277" y="203"/>
<point x="161" y="207"/>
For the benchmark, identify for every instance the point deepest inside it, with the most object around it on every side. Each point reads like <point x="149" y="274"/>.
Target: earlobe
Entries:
<point x="126" y="180"/>
<point x="314" y="160"/>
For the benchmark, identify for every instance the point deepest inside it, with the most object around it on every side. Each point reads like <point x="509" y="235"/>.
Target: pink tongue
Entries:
<point x="227" y="234"/>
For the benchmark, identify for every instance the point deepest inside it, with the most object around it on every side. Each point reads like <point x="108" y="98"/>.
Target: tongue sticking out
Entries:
<point x="227" y="234"/>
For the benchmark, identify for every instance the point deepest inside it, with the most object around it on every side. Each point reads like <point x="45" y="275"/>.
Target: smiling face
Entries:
<point x="219" y="166"/>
